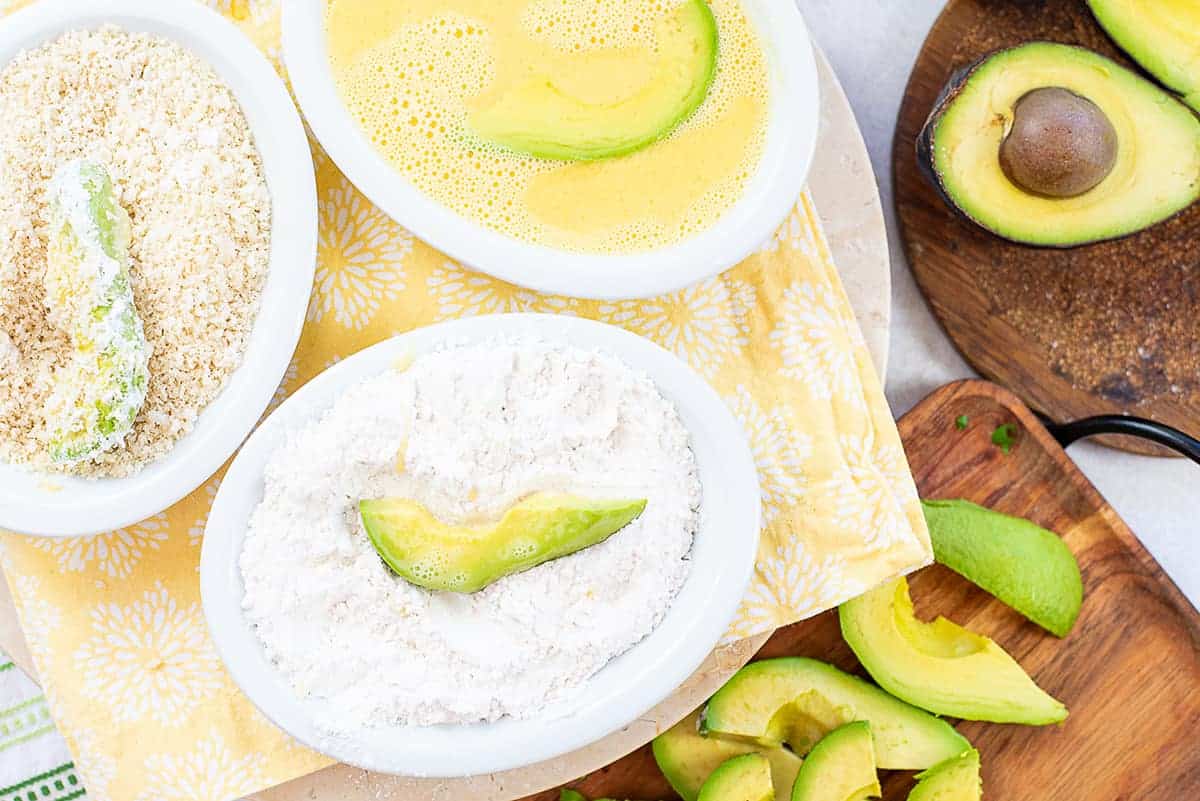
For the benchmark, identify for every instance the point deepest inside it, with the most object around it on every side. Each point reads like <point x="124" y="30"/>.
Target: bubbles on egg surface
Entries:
<point x="412" y="97"/>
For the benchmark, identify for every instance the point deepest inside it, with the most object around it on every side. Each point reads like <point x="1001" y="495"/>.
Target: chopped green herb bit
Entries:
<point x="961" y="422"/>
<point x="1004" y="436"/>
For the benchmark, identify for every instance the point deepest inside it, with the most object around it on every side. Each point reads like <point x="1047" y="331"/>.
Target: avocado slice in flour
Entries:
<point x="438" y="556"/>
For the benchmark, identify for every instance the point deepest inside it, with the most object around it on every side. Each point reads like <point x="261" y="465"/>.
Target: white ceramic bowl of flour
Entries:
<point x="794" y="118"/>
<point x="54" y="505"/>
<point x="721" y="561"/>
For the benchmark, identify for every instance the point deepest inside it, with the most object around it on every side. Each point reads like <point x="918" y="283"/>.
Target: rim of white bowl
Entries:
<point x="53" y="505"/>
<point x="723" y="557"/>
<point x="773" y="191"/>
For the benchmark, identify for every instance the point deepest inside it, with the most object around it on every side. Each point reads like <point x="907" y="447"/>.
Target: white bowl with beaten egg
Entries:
<point x="765" y="197"/>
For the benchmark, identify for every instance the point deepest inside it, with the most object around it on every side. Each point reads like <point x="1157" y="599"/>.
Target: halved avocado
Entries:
<point x="438" y="556"/>
<point x="940" y="666"/>
<point x="1161" y="35"/>
<point x="544" y="118"/>
<point x="686" y="758"/>
<point x="1024" y="565"/>
<point x="742" y="778"/>
<point x="841" y="767"/>
<point x="1154" y="172"/>
<point x="953" y="780"/>
<point x="749" y="706"/>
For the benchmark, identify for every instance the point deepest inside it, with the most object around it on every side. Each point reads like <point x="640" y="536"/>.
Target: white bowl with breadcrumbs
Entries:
<point x="54" y="504"/>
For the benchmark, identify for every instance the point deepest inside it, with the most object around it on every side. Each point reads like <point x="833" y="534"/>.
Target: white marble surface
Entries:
<point x="872" y="45"/>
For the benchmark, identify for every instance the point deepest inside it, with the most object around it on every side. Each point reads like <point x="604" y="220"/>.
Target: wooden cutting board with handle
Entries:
<point x="1129" y="672"/>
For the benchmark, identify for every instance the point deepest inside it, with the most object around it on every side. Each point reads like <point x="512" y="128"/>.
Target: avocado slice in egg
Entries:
<point x="550" y="117"/>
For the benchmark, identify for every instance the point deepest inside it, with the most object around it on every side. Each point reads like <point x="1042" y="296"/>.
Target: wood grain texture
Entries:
<point x="1106" y="328"/>
<point x="1129" y="672"/>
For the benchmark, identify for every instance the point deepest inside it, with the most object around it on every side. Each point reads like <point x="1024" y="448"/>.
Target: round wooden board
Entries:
<point x="1106" y="328"/>
<point x="847" y="199"/>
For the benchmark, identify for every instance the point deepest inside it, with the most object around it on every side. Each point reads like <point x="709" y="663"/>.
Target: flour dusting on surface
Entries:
<point x="476" y="428"/>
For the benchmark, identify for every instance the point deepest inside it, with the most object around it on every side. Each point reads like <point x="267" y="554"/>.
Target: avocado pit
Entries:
<point x="1060" y="145"/>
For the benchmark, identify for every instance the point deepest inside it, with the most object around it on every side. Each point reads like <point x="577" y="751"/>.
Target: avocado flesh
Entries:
<point x="940" y="666"/>
<point x="953" y="780"/>
<point x="686" y="758"/>
<point x="749" y="705"/>
<point x="1024" y="565"/>
<point x="841" y="767"/>
<point x="742" y="778"/>
<point x="1157" y="169"/>
<point x="1161" y="36"/>
<point x="437" y="556"/>
<point x="544" y="117"/>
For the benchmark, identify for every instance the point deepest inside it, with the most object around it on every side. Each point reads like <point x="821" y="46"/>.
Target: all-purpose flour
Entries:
<point x="477" y="428"/>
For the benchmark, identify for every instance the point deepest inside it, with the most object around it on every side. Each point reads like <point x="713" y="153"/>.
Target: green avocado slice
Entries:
<point x="742" y="778"/>
<point x="686" y="758"/>
<point x="953" y="780"/>
<point x="437" y="556"/>
<point x="567" y="794"/>
<point x="97" y="395"/>
<point x="1024" y="565"/>
<point x="1155" y="171"/>
<point x="940" y="666"/>
<point x="841" y="767"/>
<point x="1161" y="36"/>
<point x="754" y="705"/>
<point x="544" y="118"/>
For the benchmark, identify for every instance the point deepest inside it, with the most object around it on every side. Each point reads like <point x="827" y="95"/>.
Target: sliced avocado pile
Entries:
<point x="797" y="729"/>
<point x="940" y="666"/>
<point x="748" y="706"/>
<point x="437" y="556"/>
<point x="841" y="767"/>
<point x="1049" y="144"/>
<point x="543" y="118"/>
<point x="742" y="778"/>
<point x="1161" y="36"/>
<point x="954" y="780"/>
<point x="1022" y="564"/>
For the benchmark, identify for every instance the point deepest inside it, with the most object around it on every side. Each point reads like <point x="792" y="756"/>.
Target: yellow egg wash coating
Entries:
<point x="411" y="71"/>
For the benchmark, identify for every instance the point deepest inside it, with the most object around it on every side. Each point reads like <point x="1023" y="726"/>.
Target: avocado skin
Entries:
<point x="1020" y="563"/>
<point x="925" y="143"/>
<point x="951" y="90"/>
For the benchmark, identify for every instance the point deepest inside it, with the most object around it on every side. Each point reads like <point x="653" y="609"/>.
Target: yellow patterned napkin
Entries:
<point x="114" y="621"/>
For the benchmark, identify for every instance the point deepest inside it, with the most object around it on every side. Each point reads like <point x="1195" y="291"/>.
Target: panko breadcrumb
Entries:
<point x="185" y="168"/>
